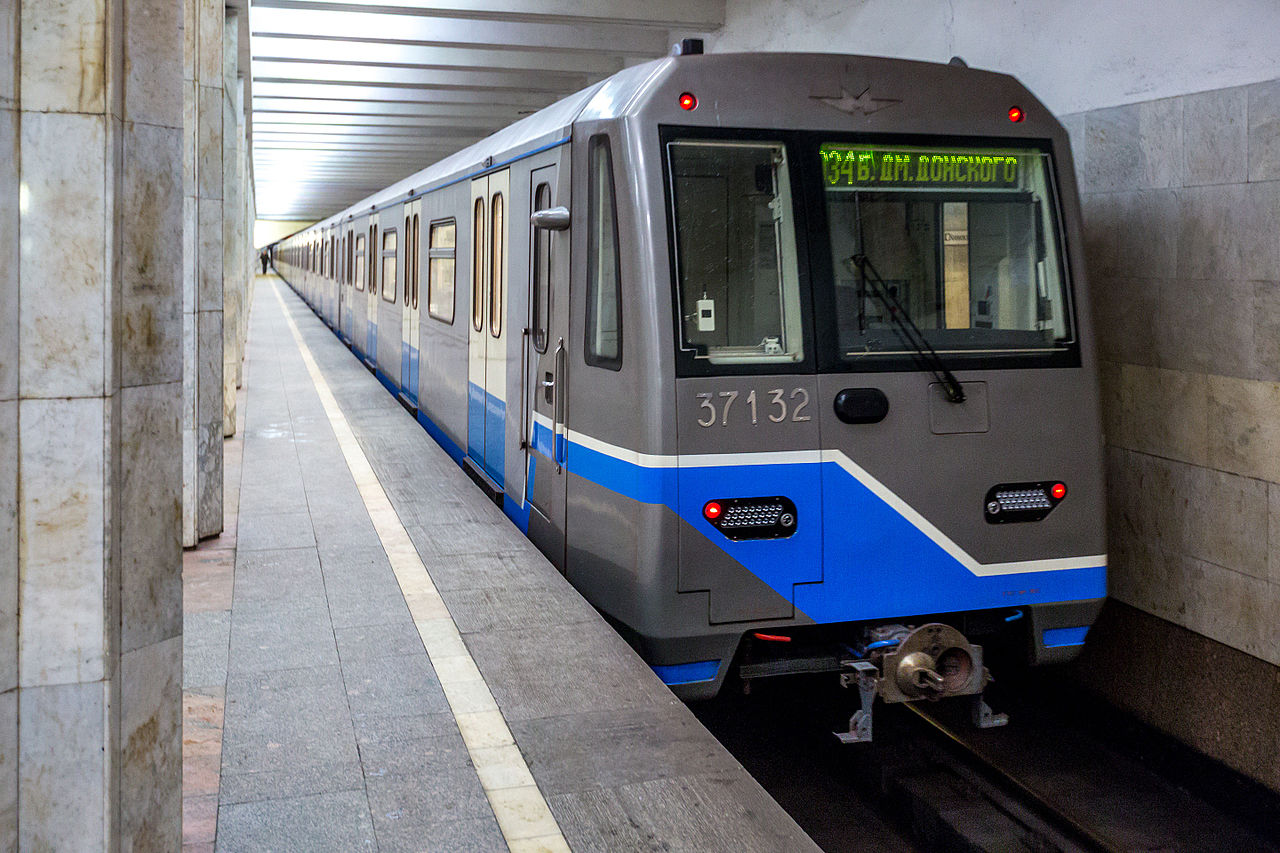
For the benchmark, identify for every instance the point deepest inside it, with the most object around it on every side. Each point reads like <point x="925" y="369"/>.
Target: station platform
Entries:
<point x="376" y="659"/>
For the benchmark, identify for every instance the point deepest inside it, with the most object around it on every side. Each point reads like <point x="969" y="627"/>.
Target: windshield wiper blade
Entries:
<point x="924" y="352"/>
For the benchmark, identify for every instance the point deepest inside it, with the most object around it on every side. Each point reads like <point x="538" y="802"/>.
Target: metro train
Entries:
<point x="784" y="360"/>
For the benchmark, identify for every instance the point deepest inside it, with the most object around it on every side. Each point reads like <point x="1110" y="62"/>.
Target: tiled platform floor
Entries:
<point x="315" y="717"/>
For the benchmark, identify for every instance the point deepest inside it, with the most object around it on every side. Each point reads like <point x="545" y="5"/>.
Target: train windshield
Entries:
<point x="735" y="251"/>
<point x="963" y="240"/>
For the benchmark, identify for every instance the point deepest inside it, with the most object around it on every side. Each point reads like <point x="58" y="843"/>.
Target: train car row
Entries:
<point x="784" y="360"/>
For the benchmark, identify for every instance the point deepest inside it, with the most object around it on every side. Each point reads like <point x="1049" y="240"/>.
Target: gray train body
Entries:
<point x="658" y="410"/>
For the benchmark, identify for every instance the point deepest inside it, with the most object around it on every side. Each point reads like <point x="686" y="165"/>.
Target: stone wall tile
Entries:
<point x="151" y="746"/>
<point x="1160" y="142"/>
<point x="153" y="48"/>
<point x="63" y="767"/>
<point x="1215" y="134"/>
<point x="151" y="260"/>
<point x="1245" y="438"/>
<point x="209" y="254"/>
<point x="209" y="142"/>
<point x="1264" y="131"/>
<point x="150" y="515"/>
<point x="1231" y="608"/>
<point x="9" y="770"/>
<point x="210" y="15"/>
<point x="1111" y="400"/>
<point x="209" y="423"/>
<point x="1148" y="235"/>
<point x="63" y="335"/>
<point x="190" y="30"/>
<point x="1111" y="155"/>
<point x="1273" y="535"/>
<point x="8" y="252"/>
<point x="190" y="108"/>
<point x="1101" y="213"/>
<point x="8" y="54"/>
<point x="1228" y="231"/>
<point x="8" y="547"/>
<point x="1165" y="412"/>
<point x="1224" y="515"/>
<point x="1205" y="325"/>
<point x="1266" y="331"/>
<point x="189" y="477"/>
<point x="62" y="62"/>
<point x="61" y="540"/>
<point x="1124" y="310"/>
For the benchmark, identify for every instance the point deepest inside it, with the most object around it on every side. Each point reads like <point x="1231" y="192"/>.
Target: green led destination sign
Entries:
<point x="860" y="167"/>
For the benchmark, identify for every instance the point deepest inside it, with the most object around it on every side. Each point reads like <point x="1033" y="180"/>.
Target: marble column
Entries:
<point x="202" y="270"/>
<point x="232" y="213"/>
<point x="90" y="393"/>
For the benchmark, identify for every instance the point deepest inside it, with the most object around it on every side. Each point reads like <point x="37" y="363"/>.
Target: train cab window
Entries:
<point x="964" y="240"/>
<point x="541" y="271"/>
<point x="359" y="263"/>
<point x="604" y="303"/>
<point x="389" y="265"/>
<point x="441" y="269"/>
<point x="735" y="252"/>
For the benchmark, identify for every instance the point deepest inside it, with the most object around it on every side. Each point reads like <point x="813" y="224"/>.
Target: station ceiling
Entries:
<point x="351" y="96"/>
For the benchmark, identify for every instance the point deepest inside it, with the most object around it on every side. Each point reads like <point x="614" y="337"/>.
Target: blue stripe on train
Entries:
<point x="855" y="577"/>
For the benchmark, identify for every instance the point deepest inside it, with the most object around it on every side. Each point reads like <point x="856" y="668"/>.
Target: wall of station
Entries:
<point x="1174" y="114"/>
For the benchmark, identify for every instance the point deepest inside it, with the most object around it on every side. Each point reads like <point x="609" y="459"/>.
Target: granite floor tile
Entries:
<point x="333" y="821"/>
<point x="294" y="781"/>
<point x="380" y="640"/>
<point x="432" y="796"/>
<point x="270" y="530"/>
<point x="393" y="686"/>
<point x="396" y="835"/>
<point x="414" y="756"/>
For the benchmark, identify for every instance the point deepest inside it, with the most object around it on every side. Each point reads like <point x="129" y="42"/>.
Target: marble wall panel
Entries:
<point x="209" y="19"/>
<point x="62" y="489"/>
<point x="151" y="259"/>
<point x="8" y="547"/>
<point x="63" y="60"/>
<point x="150" y="515"/>
<point x="8" y="54"/>
<point x="209" y="142"/>
<point x="152" y="53"/>
<point x="1148" y="233"/>
<point x="1205" y="325"/>
<point x="1111" y="157"/>
<point x="190" y="31"/>
<point x="1124" y="311"/>
<point x="1215" y="137"/>
<point x="9" y="770"/>
<point x="62" y="269"/>
<point x="1228" y="231"/>
<point x="1245" y="438"/>
<point x="190" y="536"/>
<point x="1273" y="535"/>
<point x="1102" y="224"/>
<point x="8" y="252"/>
<point x="1160" y="142"/>
<point x="1165" y="412"/>
<point x="1264" y="131"/>
<point x="209" y="423"/>
<point x="190" y="108"/>
<point x="63" y="766"/>
<point x="209" y="255"/>
<point x="151" y="746"/>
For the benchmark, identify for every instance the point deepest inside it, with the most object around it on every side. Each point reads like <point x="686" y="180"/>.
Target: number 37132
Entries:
<point x="775" y="405"/>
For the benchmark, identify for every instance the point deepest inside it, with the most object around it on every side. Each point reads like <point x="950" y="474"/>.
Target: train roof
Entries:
<point x="630" y="90"/>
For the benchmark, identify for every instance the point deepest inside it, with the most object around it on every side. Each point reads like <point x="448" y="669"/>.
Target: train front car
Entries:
<point x="873" y="392"/>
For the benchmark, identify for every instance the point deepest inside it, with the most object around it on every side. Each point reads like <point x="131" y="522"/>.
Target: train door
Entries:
<point x="486" y="372"/>
<point x="359" y="284"/>
<point x="371" y="294"/>
<point x="544" y="440"/>
<point x="409" y="304"/>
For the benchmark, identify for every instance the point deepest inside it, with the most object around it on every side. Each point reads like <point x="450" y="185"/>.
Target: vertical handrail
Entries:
<point x="558" y="409"/>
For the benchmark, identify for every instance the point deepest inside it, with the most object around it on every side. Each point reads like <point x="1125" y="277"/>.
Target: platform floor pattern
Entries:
<point x="337" y="733"/>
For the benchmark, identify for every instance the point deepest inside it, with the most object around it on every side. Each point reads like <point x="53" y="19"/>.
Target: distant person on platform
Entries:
<point x="266" y="260"/>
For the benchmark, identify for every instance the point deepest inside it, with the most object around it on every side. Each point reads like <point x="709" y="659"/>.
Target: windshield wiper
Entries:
<point x="925" y="354"/>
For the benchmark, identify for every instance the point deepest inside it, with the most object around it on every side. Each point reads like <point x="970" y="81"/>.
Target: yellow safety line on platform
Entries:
<point x="522" y="812"/>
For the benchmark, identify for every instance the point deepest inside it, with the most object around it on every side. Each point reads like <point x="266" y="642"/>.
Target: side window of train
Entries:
<point x="604" y="305"/>
<point x="477" y="266"/>
<point x="441" y="269"/>
<point x="415" y="261"/>
<point x="359" y="274"/>
<point x="408" y="259"/>
<point x="389" y="265"/>
<point x="541" y="271"/>
<point x="497" y="211"/>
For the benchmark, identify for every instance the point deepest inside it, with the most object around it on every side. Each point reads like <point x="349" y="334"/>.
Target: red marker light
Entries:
<point x="1059" y="491"/>
<point x="711" y="511"/>
<point x="1016" y="114"/>
<point x="771" y="638"/>
<point x="688" y="101"/>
